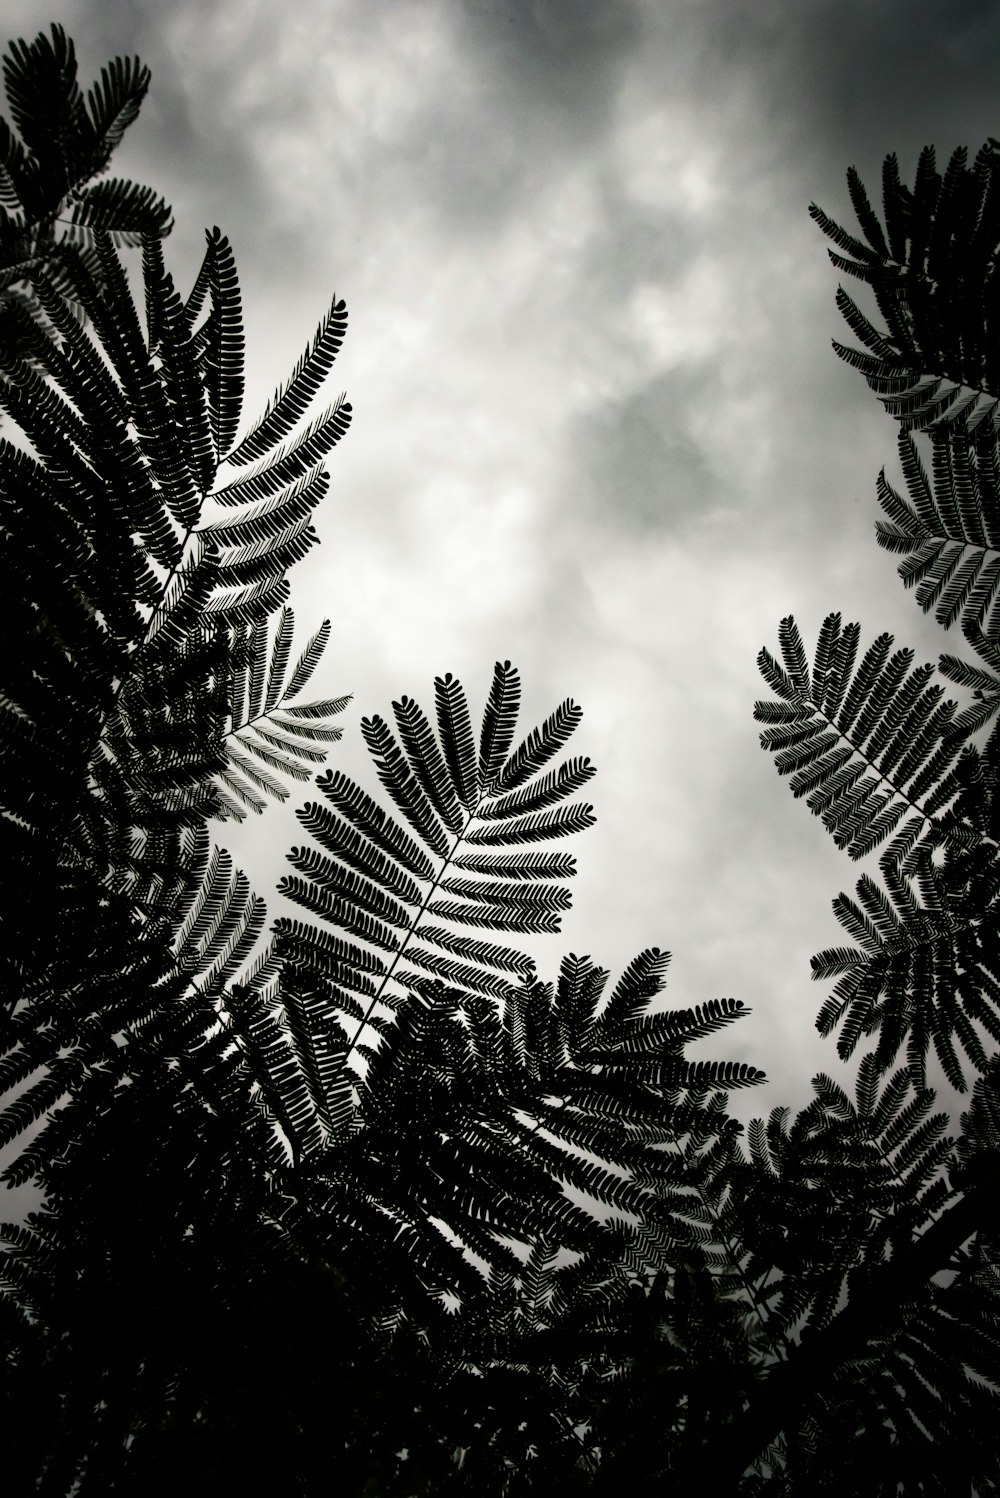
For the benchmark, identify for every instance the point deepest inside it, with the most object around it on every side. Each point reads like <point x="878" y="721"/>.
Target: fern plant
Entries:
<point x="370" y="1201"/>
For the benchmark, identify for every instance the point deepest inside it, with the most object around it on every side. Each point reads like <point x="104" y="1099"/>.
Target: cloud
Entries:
<point x="634" y="467"/>
<point x="847" y="81"/>
<point x="557" y="60"/>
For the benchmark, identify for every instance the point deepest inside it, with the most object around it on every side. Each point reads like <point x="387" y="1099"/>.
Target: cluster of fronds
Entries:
<point x="876" y="1257"/>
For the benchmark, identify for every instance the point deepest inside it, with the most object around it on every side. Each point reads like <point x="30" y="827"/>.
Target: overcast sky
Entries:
<point x="599" y="429"/>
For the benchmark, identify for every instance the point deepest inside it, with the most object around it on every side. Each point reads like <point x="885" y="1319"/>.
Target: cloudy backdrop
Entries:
<point x="598" y="426"/>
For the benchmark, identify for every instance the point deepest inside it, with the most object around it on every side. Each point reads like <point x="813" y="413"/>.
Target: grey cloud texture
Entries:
<point x="599" y="429"/>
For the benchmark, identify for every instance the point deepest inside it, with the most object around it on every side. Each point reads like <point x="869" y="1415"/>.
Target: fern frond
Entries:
<point x="839" y="725"/>
<point x="927" y="965"/>
<point x="295" y="397"/>
<point x="401" y="885"/>
<point x="263" y="721"/>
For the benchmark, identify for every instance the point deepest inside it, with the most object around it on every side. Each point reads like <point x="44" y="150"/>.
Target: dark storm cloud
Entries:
<point x="536" y="83"/>
<point x="635" y="469"/>
<point x="852" y="79"/>
<point x="557" y="57"/>
<point x="898" y="76"/>
<point x="532" y="86"/>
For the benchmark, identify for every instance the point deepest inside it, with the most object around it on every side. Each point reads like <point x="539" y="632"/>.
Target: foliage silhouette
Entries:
<point x="49" y="199"/>
<point x="371" y="1203"/>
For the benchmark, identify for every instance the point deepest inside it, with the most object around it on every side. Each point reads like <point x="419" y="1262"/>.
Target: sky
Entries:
<point x="598" y="426"/>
